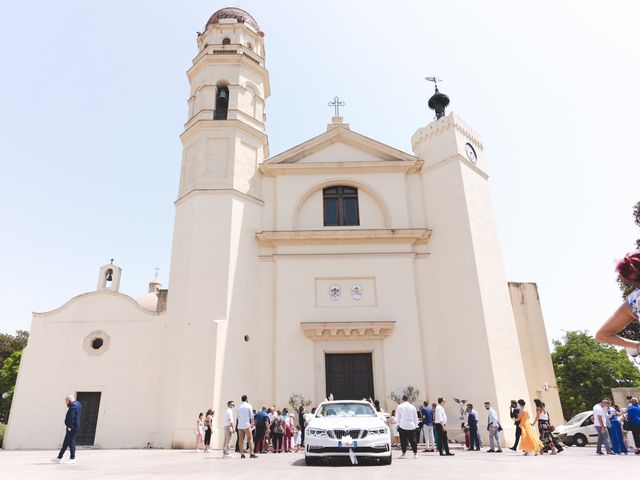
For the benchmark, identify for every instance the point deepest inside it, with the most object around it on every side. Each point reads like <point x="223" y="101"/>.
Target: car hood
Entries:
<point x="346" y="422"/>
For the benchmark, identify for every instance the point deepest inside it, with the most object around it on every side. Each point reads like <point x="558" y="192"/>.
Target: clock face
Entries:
<point x="471" y="153"/>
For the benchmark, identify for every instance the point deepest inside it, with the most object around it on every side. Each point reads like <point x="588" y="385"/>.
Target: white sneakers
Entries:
<point x="71" y="461"/>
<point x="227" y="455"/>
<point x="56" y="460"/>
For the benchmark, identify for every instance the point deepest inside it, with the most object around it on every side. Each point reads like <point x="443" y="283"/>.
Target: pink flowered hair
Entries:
<point x="629" y="268"/>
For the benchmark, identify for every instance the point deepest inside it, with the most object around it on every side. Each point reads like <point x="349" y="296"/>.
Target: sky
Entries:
<point x="93" y="97"/>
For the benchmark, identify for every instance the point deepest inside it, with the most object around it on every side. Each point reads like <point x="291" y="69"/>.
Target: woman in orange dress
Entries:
<point x="529" y="441"/>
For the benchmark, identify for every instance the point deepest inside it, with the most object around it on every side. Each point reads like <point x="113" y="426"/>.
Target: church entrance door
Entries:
<point x="349" y="375"/>
<point x="90" y="402"/>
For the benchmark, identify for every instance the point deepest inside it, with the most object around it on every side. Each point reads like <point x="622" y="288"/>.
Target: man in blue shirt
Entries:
<point x="72" y="424"/>
<point x="427" y="427"/>
<point x="633" y="417"/>
<point x="262" y="427"/>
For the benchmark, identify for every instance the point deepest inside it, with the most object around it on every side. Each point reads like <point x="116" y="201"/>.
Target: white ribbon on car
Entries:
<point x="346" y="441"/>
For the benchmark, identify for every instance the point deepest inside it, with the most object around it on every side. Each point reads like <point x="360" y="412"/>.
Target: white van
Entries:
<point x="578" y="431"/>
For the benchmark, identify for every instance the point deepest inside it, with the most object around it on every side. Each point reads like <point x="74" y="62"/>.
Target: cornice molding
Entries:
<point x="373" y="330"/>
<point x="273" y="169"/>
<point x="410" y="236"/>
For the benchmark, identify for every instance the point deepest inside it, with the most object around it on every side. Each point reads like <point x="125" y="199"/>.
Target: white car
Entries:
<point x="578" y="431"/>
<point x="347" y="428"/>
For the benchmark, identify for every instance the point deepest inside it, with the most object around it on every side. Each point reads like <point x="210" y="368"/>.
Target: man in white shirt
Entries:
<point x="407" y="417"/>
<point x="245" y="421"/>
<point x="601" y="421"/>
<point x="440" y="424"/>
<point x="228" y="424"/>
<point x="493" y="425"/>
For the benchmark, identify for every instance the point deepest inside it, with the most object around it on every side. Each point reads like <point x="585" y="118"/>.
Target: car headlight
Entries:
<point x="378" y="431"/>
<point x="316" y="432"/>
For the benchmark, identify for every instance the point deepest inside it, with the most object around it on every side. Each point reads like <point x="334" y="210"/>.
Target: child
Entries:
<point x="297" y="439"/>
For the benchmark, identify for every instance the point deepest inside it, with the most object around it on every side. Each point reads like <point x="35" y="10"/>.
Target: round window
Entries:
<point x="97" y="343"/>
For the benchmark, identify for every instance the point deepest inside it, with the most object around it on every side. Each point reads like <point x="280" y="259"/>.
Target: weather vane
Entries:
<point x="337" y="103"/>
<point x="435" y="81"/>
<point x="157" y="269"/>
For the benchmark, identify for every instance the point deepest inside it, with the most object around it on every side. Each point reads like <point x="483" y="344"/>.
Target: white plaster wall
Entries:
<point x="534" y="346"/>
<point x="300" y="361"/>
<point x="378" y="190"/>
<point x="55" y="364"/>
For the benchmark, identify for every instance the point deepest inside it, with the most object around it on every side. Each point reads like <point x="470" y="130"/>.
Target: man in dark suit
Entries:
<point x="514" y="411"/>
<point x="72" y="424"/>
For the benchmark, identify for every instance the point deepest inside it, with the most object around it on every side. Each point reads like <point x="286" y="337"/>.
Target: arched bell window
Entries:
<point x="340" y="206"/>
<point x="222" y="104"/>
<point x="226" y="41"/>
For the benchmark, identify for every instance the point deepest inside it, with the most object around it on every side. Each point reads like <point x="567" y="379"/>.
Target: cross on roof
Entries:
<point x="337" y="103"/>
<point x="157" y="269"/>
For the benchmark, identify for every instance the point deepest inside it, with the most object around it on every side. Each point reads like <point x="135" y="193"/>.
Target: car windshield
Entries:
<point x="578" y="418"/>
<point x="346" y="410"/>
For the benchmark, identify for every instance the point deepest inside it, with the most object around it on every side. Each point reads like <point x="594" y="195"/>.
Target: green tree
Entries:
<point x="8" y="377"/>
<point x="11" y="347"/>
<point x="632" y="330"/>
<point x="587" y="370"/>
<point x="12" y="343"/>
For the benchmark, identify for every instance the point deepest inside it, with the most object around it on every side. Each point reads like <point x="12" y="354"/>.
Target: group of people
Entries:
<point x="618" y="429"/>
<point x="269" y="429"/>
<point x="409" y="423"/>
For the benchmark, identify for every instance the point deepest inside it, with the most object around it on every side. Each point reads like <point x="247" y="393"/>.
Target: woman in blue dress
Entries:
<point x="617" y="440"/>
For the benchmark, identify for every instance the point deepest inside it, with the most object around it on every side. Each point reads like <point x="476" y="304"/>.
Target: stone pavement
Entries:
<point x="573" y="463"/>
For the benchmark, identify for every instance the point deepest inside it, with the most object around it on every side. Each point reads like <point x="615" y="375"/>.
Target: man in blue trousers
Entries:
<point x="72" y="422"/>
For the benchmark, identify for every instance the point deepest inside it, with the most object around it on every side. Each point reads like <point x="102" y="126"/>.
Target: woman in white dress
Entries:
<point x="200" y="432"/>
<point x="393" y="423"/>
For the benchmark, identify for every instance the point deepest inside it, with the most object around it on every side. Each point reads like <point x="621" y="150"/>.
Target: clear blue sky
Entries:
<point x="93" y="97"/>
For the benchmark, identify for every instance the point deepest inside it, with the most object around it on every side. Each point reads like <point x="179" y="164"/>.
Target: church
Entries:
<point x="341" y="267"/>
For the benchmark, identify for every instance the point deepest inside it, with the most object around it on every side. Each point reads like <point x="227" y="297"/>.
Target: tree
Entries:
<point x="296" y="400"/>
<point x="12" y="343"/>
<point x="632" y="330"/>
<point x="11" y="347"/>
<point x="8" y="377"/>
<point x="587" y="370"/>
<point x="411" y="392"/>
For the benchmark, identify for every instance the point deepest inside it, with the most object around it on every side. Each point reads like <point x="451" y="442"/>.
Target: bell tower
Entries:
<point x="218" y="211"/>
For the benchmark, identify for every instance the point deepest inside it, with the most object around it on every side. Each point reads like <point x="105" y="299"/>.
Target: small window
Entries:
<point x="340" y="206"/>
<point x="226" y="41"/>
<point x="250" y="46"/>
<point x="97" y="343"/>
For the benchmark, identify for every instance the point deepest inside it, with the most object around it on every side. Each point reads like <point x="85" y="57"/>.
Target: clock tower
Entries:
<point x="463" y="274"/>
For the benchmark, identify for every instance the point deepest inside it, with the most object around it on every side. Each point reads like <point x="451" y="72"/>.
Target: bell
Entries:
<point x="109" y="276"/>
<point x="222" y="95"/>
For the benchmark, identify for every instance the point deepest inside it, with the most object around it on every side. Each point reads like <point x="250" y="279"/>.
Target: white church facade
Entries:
<point x="342" y="266"/>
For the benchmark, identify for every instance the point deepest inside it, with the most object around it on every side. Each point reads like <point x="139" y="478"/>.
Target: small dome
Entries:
<point x="150" y="300"/>
<point x="233" y="12"/>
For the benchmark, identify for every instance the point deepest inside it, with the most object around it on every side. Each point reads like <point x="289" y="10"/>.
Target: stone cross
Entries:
<point x="337" y="103"/>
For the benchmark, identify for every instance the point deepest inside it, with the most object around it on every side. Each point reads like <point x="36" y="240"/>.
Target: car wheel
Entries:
<point x="311" y="460"/>
<point x="386" y="461"/>
<point x="580" y="440"/>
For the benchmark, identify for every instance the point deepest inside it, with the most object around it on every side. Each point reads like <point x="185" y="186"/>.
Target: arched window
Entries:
<point x="340" y="206"/>
<point x="222" y="104"/>
<point x="226" y="41"/>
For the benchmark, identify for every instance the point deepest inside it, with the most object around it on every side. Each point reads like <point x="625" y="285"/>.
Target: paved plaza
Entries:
<point x="171" y="464"/>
